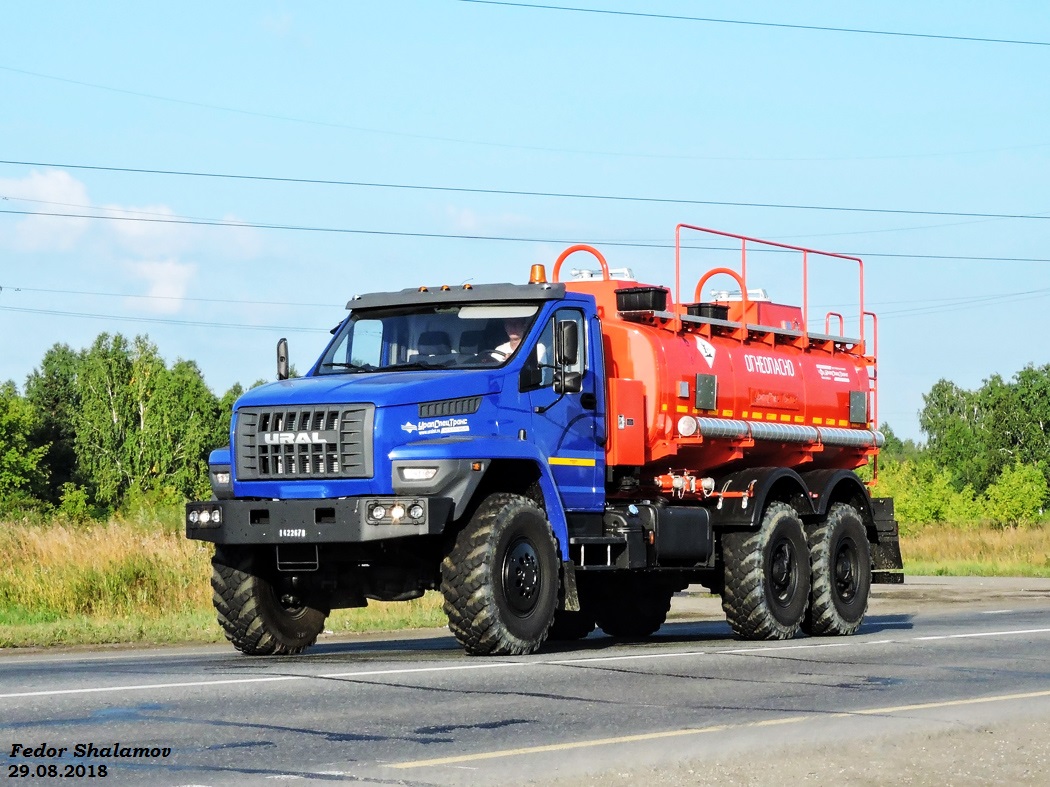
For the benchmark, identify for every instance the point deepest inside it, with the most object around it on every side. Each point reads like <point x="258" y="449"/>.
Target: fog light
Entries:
<point x="415" y="511"/>
<point x="216" y="516"/>
<point x="397" y="512"/>
<point x="205" y="517"/>
<point x="194" y="517"/>
<point x="418" y="473"/>
<point x="377" y="512"/>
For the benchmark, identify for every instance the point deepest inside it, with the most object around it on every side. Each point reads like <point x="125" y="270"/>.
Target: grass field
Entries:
<point x="140" y="580"/>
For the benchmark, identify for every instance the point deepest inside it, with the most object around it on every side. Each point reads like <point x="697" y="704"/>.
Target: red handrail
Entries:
<point x="580" y="247"/>
<point x="744" y="240"/>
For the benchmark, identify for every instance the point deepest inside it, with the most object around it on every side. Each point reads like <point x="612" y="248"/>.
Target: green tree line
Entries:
<point x="99" y="427"/>
<point x="985" y="459"/>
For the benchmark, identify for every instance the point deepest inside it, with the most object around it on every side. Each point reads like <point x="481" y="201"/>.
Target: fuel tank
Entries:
<point x="732" y="385"/>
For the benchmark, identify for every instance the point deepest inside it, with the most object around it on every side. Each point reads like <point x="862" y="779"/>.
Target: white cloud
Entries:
<point x="133" y="230"/>
<point x="52" y="191"/>
<point x="167" y="283"/>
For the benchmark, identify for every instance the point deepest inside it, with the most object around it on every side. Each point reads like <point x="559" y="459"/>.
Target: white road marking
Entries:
<point x="503" y="665"/>
<point x="996" y="611"/>
<point x="689" y="731"/>
<point x="980" y="634"/>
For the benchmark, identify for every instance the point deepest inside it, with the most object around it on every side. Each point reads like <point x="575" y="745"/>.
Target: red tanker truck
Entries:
<point x="560" y="455"/>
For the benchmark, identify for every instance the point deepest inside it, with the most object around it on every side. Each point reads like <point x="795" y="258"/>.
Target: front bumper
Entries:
<point x="346" y="520"/>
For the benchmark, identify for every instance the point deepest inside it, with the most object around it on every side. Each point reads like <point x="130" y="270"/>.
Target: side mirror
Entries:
<point x="282" y="359"/>
<point x="567" y="346"/>
<point x="567" y="382"/>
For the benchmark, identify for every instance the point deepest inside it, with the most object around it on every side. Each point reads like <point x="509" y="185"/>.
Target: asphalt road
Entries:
<point x="934" y="658"/>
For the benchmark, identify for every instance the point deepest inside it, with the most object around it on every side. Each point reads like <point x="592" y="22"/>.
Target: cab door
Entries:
<point x="562" y="385"/>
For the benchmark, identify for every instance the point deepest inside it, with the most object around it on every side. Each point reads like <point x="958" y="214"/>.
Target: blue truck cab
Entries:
<point x="430" y="409"/>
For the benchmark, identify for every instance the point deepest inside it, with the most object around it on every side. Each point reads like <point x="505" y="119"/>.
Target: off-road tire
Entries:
<point x="569" y="626"/>
<point x="840" y="573"/>
<point x="500" y="580"/>
<point x="255" y="617"/>
<point x="766" y="590"/>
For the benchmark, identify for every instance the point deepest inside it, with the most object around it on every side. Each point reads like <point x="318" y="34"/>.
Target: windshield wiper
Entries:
<point x="352" y="367"/>
<point x="420" y="365"/>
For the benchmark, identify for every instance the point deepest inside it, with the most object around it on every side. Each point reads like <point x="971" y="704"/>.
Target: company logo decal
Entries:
<point x="437" y="426"/>
<point x="835" y="374"/>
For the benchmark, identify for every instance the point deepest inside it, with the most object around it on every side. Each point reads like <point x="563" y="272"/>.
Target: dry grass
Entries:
<point x="141" y="580"/>
<point x="988" y="552"/>
<point x="136" y="580"/>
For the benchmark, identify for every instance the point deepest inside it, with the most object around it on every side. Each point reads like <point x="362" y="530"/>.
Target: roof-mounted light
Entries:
<point x="538" y="274"/>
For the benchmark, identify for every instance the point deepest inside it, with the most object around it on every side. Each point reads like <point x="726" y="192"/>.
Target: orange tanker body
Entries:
<point x="696" y="390"/>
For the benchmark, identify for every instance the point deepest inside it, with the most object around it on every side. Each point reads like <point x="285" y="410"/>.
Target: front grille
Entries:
<point x="304" y="442"/>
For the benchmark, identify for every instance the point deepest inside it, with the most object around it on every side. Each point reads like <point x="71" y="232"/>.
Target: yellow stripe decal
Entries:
<point x="571" y="461"/>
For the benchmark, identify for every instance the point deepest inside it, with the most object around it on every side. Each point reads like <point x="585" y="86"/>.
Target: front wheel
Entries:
<point x="840" y="562"/>
<point x="258" y="617"/>
<point x="500" y="579"/>
<point x="766" y="588"/>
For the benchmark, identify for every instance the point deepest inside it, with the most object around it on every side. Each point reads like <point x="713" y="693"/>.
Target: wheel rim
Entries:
<point x="783" y="577"/>
<point x="846" y="572"/>
<point x="521" y="576"/>
<point x="289" y="603"/>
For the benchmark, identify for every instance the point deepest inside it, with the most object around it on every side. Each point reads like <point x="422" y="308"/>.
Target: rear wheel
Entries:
<point x="840" y="572"/>
<point x="767" y="571"/>
<point x="500" y="580"/>
<point x="258" y="616"/>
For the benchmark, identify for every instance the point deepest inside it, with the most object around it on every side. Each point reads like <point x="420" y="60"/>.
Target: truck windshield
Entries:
<point x="460" y="336"/>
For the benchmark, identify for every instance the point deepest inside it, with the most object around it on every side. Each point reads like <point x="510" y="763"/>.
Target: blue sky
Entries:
<point x="468" y="95"/>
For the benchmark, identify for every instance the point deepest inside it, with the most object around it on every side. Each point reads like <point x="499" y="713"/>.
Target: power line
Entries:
<point x="525" y="193"/>
<point x="497" y="238"/>
<point x="13" y="288"/>
<point x="747" y="23"/>
<point x="162" y="320"/>
<point x="948" y="304"/>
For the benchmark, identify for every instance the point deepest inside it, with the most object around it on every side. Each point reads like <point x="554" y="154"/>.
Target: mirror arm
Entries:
<point x="545" y="408"/>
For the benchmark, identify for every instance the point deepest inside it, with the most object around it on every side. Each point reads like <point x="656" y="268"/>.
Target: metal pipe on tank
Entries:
<point x="731" y="429"/>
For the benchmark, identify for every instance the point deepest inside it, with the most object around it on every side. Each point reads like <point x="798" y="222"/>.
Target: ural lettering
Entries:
<point x="291" y="438"/>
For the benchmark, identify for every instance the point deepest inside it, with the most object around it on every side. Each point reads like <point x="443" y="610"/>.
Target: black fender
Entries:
<point x="838" y="486"/>
<point x="760" y="485"/>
